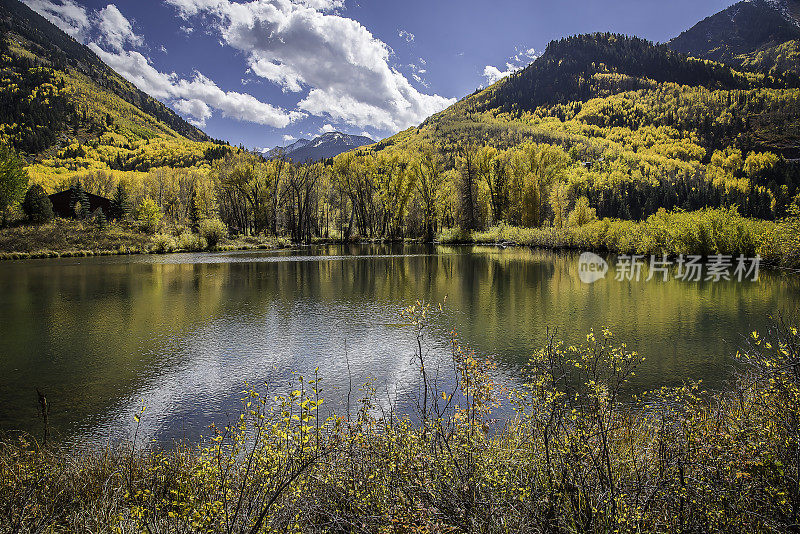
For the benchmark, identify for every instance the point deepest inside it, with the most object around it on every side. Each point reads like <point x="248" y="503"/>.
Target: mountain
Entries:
<point x="326" y="145"/>
<point x="288" y="149"/>
<point x="575" y="71"/>
<point x="636" y="126"/>
<point x="58" y="92"/>
<point x="739" y="33"/>
<point x="594" y="65"/>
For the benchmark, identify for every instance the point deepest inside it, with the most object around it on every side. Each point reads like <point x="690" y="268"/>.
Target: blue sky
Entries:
<point x="265" y="72"/>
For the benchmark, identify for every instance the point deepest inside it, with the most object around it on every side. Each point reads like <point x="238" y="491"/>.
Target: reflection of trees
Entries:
<point x="88" y="332"/>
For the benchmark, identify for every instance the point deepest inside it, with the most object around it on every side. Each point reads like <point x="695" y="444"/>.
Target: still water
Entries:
<point x="185" y="333"/>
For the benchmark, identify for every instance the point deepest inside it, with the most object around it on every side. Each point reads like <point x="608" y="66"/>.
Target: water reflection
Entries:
<point x="185" y="332"/>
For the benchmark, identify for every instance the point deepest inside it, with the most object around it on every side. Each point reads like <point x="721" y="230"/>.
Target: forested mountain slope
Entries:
<point x="585" y="66"/>
<point x="615" y="81"/>
<point x="63" y="108"/>
<point x="750" y="34"/>
<point x="31" y="40"/>
<point x="631" y="125"/>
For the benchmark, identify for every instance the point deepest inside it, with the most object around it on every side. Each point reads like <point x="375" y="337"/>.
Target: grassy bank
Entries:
<point x="705" y="232"/>
<point x="578" y="456"/>
<point x="71" y="238"/>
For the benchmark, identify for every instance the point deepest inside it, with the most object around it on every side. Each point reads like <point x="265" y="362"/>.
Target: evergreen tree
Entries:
<point x="120" y="203"/>
<point x="37" y="205"/>
<point x="467" y="189"/>
<point x="194" y="211"/>
<point x="79" y="201"/>
<point x="99" y="218"/>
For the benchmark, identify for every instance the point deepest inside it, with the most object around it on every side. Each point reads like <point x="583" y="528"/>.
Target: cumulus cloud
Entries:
<point x="115" y="30"/>
<point x="303" y="46"/>
<point x="493" y="74"/>
<point x="288" y="138"/>
<point x="323" y="5"/>
<point x="327" y="128"/>
<point x="110" y="35"/>
<point x="194" y="97"/>
<point x="195" y="108"/>
<point x="521" y="59"/>
<point x="68" y="16"/>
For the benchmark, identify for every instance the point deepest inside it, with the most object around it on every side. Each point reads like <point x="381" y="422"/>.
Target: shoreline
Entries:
<point x="135" y="251"/>
<point x="78" y="253"/>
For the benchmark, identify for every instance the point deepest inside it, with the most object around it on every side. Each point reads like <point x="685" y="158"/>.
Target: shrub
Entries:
<point x="190" y="242"/>
<point x="213" y="231"/>
<point x="148" y="215"/>
<point x="454" y="235"/>
<point x="575" y="453"/>
<point x="781" y="244"/>
<point x="162" y="244"/>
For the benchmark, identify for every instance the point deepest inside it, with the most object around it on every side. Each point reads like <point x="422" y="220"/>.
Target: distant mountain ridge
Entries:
<point x="741" y="31"/>
<point x="327" y="145"/>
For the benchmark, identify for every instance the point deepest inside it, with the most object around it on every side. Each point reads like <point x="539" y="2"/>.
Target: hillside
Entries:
<point x="586" y="66"/>
<point x="33" y="41"/>
<point x="636" y="84"/>
<point x="69" y="113"/>
<point x="630" y="125"/>
<point x="743" y="32"/>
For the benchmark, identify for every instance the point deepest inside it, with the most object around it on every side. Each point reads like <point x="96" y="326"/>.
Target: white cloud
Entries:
<point x="323" y="5"/>
<point x="195" y="108"/>
<point x="521" y="59"/>
<point x="288" y="138"/>
<point x="417" y="73"/>
<point x="282" y="75"/>
<point x="299" y="47"/>
<point x="493" y="74"/>
<point x="189" y="94"/>
<point x="115" y="30"/>
<point x="327" y="128"/>
<point x="408" y="36"/>
<point x="66" y="14"/>
<point x="195" y="97"/>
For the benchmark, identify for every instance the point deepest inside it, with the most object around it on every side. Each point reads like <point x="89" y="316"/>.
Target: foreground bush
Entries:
<point x="576" y="455"/>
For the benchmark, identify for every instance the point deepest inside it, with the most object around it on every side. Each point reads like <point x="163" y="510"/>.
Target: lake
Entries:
<point x="185" y="333"/>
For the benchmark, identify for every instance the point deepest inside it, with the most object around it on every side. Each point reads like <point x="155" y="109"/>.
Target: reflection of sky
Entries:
<point x="202" y="374"/>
